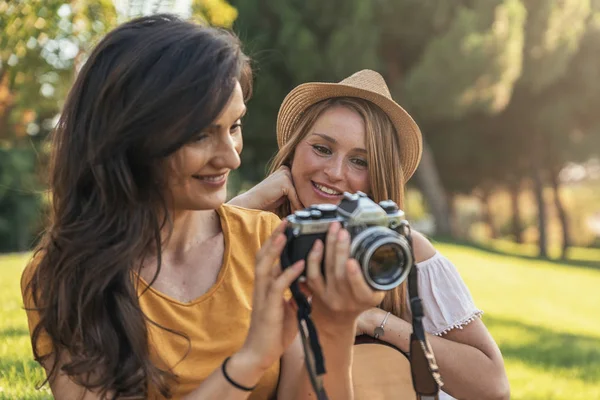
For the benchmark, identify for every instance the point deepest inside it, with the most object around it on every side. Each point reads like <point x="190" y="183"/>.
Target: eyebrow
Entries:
<point x="334" y="141"/>
<point x="218" y="126"/>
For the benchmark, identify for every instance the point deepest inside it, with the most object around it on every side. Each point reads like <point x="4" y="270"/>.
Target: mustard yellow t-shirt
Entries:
<point x="217" y="322"/>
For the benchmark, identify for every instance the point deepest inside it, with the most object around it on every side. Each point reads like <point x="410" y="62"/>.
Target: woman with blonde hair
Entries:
<point x="352" y="136"/>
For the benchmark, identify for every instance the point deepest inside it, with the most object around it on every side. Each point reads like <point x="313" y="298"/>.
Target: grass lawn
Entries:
<point x="543" y="314"/>
<point x="19" y="374"/>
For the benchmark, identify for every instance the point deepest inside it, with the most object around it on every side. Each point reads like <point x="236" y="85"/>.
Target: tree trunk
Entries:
<point x="427" y="176"/>
<point x="538" y="189"/>
<point x="562" y="215"/>
<point x="20" y="228"/>
<point x="451" y="197"/>
<point x="487" y="214"/>
<point x="517" y="228"/>
<point x="435" y="196"/>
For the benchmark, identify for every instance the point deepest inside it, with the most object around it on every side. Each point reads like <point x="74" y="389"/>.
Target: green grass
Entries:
<point x="543" y="314"/>
<point x="19" y="374"/>
<point x="576" y="255"/>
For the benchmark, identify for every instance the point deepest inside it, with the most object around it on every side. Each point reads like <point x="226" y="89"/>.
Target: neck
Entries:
<point x="189" y="228"/>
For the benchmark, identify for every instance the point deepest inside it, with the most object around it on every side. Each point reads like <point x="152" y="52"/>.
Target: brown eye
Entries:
<point x="200" y="137"/>
<point x="360" y="162"/>
<point x="235" y="127"/>
<point x="321" y="149"/>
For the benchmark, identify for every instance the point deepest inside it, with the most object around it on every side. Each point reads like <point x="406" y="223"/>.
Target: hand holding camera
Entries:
<point x="353" y="252"/>
<point x="339" y="290"/>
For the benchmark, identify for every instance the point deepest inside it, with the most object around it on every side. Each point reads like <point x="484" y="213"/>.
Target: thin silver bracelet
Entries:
<point x="379" y="330"/>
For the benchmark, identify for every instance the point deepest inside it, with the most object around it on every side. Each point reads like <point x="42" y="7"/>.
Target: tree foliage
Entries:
<point x="505" y="91"/>
<point x="293" y="42"/>
<point x="42" y="45"/>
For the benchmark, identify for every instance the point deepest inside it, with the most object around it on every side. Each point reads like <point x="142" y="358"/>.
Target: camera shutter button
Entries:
<point x="327" y="210"/>
<point x="389" y="206"/>
<point x="351" y="196"/>
<point x="302" y="214"/>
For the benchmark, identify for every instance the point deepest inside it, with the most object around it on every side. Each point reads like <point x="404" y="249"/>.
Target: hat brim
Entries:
<point x="307" y="94"/>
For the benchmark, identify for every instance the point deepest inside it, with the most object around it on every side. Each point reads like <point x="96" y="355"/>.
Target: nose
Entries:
<point x="335" y="169"/>
<point x="227" y="152"/>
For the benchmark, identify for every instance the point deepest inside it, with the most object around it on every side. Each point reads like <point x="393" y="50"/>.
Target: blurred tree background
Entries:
<point x="505" y="92"/>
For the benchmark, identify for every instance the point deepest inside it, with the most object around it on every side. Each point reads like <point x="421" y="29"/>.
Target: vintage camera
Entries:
<point x="379" y="236"/>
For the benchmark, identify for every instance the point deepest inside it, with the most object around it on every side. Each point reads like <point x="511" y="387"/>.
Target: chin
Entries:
<point x="315" y="200"/>
<point x="212" y="204"/>
<point x="205" y="202"/>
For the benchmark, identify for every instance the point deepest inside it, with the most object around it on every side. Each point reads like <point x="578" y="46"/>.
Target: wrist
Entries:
<point x="380" y="328"/>
<point x="337" y="327"/>
<point x="244" y="368"/>
<point x="374" y="318"/>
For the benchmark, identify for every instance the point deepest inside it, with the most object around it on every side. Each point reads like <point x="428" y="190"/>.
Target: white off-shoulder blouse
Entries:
<point x="447" y="302"/>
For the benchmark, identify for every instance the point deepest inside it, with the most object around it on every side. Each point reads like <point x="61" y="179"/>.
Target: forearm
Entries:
<point x="337" y="351"/>
<point x="239" y="368"/>
<point x="216" y="385"/>
<point x="467" y="372"/>
<point x="243" y="200"/>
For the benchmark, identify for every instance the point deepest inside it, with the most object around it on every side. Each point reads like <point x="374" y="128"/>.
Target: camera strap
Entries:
<point x="424" y="369"/>
<point x="313" y="354"/>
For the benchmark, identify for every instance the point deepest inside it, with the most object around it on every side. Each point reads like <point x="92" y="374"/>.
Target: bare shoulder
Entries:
<point x="422" y="247"/>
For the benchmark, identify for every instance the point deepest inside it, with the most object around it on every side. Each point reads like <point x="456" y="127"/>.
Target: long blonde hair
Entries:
<point x="383" y="158"/>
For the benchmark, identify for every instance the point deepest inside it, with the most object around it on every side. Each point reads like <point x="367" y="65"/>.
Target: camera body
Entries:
<point x="378" y="232"/>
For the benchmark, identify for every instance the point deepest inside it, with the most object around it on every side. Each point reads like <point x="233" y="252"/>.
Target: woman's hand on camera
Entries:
<point x="273" y="324"/>
<point x="342" y="294"/>
<point x="271" y="193"/>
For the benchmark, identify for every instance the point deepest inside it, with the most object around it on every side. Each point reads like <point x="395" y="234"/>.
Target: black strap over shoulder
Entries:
<point x="424" y="369"/>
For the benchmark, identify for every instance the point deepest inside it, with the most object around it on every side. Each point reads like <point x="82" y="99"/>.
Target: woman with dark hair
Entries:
<point x="145" y="285"/>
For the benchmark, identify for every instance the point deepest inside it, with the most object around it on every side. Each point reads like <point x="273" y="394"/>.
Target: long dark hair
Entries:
<point x="146" y="90"/>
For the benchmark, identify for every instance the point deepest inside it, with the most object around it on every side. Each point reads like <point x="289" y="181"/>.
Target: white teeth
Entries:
<point x="211" y="178"/>
<point x="326" y="189"/>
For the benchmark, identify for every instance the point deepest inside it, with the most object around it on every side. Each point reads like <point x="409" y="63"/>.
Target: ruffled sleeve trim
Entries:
<point x="447" y="302"/>
<point x="460" y="324"/>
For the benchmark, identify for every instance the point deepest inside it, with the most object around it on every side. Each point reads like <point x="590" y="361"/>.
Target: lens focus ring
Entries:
<point x="384" y="256"/>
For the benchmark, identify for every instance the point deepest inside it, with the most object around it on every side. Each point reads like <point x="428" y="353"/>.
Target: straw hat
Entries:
<point x="367" y="85"/>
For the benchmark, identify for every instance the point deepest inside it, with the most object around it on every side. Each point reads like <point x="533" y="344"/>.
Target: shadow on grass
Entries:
<point x="591" y="264"/>
<point x="13" y="332"/>
<point x="548" y="349"/>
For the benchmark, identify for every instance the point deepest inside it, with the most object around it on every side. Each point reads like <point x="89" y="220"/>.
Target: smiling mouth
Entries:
<point x="326" y="190"/>
<point x="210" y="178"/>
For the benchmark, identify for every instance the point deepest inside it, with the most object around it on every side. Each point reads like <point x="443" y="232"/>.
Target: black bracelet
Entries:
<point x="232" y="382"/>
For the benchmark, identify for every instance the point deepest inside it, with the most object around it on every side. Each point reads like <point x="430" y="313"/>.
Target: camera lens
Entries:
<point x="386" y="264"/>
<point x="384" y="256"/>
